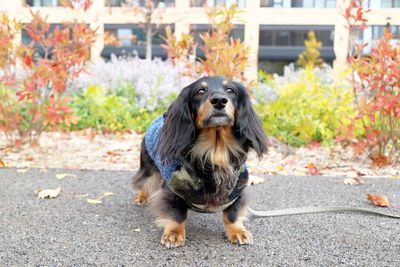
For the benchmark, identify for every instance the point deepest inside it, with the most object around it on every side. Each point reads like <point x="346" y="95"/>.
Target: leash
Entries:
<point x="256" y="214"/>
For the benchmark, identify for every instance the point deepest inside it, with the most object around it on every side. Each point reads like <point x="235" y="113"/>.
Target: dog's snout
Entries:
<point x="218" y="101"/>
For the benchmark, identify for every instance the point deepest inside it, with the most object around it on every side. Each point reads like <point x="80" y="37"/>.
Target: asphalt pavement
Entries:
<point x="68" y="231"/>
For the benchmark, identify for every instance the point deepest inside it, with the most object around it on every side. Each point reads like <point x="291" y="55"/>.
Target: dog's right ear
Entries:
<point x="178" y="132"/>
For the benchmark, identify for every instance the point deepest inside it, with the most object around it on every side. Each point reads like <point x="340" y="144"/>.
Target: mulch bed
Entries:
<point x="87" y="150"/>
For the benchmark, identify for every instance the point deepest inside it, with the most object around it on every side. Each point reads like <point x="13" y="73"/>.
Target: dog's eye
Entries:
<point x="229" y="90"/>
<point x="201" y="92"/>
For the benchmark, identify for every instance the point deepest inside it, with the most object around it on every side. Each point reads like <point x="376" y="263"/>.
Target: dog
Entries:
<point x="193" y="157"/>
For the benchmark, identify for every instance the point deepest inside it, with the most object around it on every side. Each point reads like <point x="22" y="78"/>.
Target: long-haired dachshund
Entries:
<point x="193" y="157"/>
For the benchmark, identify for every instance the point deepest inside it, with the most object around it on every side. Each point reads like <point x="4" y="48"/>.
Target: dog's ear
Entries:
<point x="178" y="131"/>
<point x="247" y="123"/>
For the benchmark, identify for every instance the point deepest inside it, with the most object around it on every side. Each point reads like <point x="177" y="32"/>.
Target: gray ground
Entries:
<point x="68" y="231"/>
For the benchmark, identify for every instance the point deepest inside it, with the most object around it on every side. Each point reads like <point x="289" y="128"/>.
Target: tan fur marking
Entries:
<point x="205" y="111"/>
<point x="204" y="84"/>
<point x="224" y="82"/>
<point x="215" y="144"/>
<point x="152" y="184"/>
<point x="236" y="232"/>
<point x="174" y="233"/>
<point x="141" y="198"/>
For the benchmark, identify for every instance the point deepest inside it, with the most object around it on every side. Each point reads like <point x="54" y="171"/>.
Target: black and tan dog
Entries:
<point x="193" y="157"/>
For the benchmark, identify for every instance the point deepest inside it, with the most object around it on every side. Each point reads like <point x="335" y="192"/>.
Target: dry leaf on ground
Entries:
<point x="29" y="158"/>
<point x="253" y="180"/>
<point x="353" y="181"/>
<point x="60" y="176"/>
<point x="312" y="169"/>
<point x="49" y="193"/>
<point x="22" y="170"/>
<point x="99" y="199"/>
<point x="93" y="201"/>
<point x="381" y="201"/>
<point x="2" y="164"/>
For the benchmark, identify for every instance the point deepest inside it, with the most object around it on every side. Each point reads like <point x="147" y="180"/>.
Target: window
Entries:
<point x="299" y="3"/>
<point x="294" y="35"/>
<point x="382" y="3"/>
<point x="376" y="31"/>
<point x="160" y="3"/>
<point x="285" y="43"/>
<point x="42" y="3"/>
<point x="197" y="29"/>
<point x="132" y="40"/>
<point x="201" y="3"/>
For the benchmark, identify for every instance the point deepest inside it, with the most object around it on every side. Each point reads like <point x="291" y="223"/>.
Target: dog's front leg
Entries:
<point x="234" y="216"/>
<point x="172" y="214"/>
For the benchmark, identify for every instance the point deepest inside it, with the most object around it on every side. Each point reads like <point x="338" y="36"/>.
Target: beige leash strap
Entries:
<point x="256" y="214"/>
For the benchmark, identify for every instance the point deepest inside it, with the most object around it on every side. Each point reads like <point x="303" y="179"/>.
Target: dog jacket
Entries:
<point x="180" y="178"/>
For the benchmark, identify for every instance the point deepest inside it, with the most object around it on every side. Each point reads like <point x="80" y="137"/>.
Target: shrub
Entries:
<point x="37" y="102"/>
<point x="223" y="55"/>
<point x="153" y="81"/>
<point x="113" y="111"/>
<point x="311" y="56"/>
<point x="310" y="104"/>
<point x="376" y="86"/>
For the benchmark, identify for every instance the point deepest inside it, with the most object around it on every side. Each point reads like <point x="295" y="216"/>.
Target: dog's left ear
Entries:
<point x="247" y="122"/>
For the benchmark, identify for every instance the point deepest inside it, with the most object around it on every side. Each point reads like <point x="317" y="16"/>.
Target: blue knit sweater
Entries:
<point x="151" y="139"/>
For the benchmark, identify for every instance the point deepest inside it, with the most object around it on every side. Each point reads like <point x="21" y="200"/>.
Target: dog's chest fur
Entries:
<point x="214" y="158"/>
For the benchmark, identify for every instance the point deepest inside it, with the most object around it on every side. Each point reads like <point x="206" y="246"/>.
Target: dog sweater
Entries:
<point x="180" y="179"/>
<point x="151" y="140"/>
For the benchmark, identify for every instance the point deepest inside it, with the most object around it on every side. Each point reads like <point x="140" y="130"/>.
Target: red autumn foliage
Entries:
<point x="376" y="85"/>
<point x="36" y="101"/>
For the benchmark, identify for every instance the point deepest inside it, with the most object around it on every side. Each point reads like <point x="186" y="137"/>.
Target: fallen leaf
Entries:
<point x="49" y="193"/>
<point x="353" y="181"/>
<point x="22" y="170"/>
<point x="43" y="170"/>
<point x="60" y="176"/>
<point x="93" y="201"/>
<point x="113" y="153"/>
<point x="253" y="180"/>
<point x="312" y="169"/>
<point x="29" y="158"/>
<point x="381" y="201"/>
<point x="380" y="160"/>
<point x="396" y="177"/>
<point x="2" y="164"/>
<point x="136" y="230"/>
<point x="99" y="199"/>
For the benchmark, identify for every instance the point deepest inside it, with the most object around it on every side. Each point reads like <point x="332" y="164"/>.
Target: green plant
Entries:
<point x="306" y="110"/>
<point x="112" y="111"/>
<point x="36" y="101"/>
<point x="311" y="56"/>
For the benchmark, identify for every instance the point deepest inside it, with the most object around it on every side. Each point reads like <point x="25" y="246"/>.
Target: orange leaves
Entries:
<point x="65" y="50"/>
<point x="375" y="128"/>
<point x="381" y="201"/>
<point x="223" y="55"/>
<point x="2" y="164"/>
<point x="312" y="169"/>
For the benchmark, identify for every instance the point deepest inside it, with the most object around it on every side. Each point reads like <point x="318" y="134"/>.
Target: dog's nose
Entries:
<point x="218" y="101"/>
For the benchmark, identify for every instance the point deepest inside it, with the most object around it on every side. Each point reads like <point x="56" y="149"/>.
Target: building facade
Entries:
<point x="273" y="29"/>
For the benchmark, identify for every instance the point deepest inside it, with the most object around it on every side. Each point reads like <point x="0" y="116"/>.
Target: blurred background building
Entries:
<point x="274" y="29"/>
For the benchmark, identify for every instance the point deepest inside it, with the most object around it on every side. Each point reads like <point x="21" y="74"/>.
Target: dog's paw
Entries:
<point x="240" y="236"/>
<point x="141" y="198"/>
<point x="172" y="239"/>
